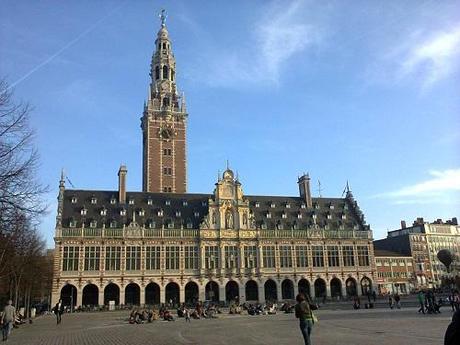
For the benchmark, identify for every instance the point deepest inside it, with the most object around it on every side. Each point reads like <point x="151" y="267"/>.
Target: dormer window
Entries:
<point x="279" y="226"/>
<point x="72" y="223"/>
<point x="168" y="202"/>
<point x="203" y="203"/>
<point x="93" y="224"/>
<point x="178" y="214"/>
<point x="170" y="225"/>
<point x="83" y="211"/>
<point x="113" y="201"/>
<point x="189" y="225"/>
<point x="288" y="205"/>
<point x="196" y="214"/>
<point x="263" y="226"/>
<point x="317" y="206"/>
<point x="272" y="205"/>
<point x="74" y="200"/>
<point x="113" y="224"/>
<point x="299" y="215"/>
<point x="149" y="201"/>
<point x="160" y="213"/>
<point x="303" y="206"/>
<point x="314" y="216"/>
<point x="93" y="200"/>
<point x="331" y="206"/>
<point x="284" y="216"/>
<point x="257" y="204"/>
<point x="184" y="203"/>
<point x="329" y="216"/>
<point x="269" y="215"/>
<point x="344" y="216"/>
<point x="141" y="213"/>
<point x="123" y="212"/>
<point x="295" y="226"/>
<point x="326" y="227"/>
<point x="151" y="224"/>
<point x="356" y="227"/>
<point x="131" y="201"/>
<point x="103" y="212"/>
<point x="345" y="207"/>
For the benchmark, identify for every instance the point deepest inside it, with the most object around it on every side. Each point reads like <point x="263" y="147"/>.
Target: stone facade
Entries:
<point x="395" y="272"/>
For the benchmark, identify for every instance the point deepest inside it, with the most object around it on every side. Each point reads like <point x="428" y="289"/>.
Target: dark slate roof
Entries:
<point x="195" y="209"/>
<point x="387" y="253"/>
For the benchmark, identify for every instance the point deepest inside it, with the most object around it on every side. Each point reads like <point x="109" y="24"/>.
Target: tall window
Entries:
<point x="172" y="256"/>
<point x="70" y="259"/>
<point x="268" y="253"/>
<point x="133" y="258"/>
<point x="318" y="256"/>
<point x="333" y="256"/>
<point x="191" y="257"/>
<point x="250" y="256"/>
<point x="112" y="258"/>
<point x="165" y="72"/>
<point x="231" y="257"/>
<point x="363" y="256"/>
<point x="92" y="258"/>
<point x="348" y="256"/>
<point x="285" y="256"/>
<point x="302" y="256"/>
<point x="157" y="73"/>
<point x="152" y="257"/>
<point x="211" y="256"/>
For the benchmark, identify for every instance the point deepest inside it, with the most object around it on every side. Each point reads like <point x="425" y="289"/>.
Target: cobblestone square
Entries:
<point x="362" y="327"/>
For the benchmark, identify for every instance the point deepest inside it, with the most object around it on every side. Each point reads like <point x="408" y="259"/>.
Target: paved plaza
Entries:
<point x="362" y="327"/>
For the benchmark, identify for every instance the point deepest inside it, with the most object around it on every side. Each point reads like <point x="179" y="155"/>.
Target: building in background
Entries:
<point x="163" y="245"/>
<point x="395" y="272"/>
<point x="422" y="241"/>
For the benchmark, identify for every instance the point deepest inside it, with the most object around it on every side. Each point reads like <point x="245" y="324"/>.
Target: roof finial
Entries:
<point x="319" y="189"/>
<point x="163" y="15"/>
<point x="228" y="165"/>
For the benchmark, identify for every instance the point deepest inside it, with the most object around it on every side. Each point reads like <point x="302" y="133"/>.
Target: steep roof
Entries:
<point x="189" y="210"/>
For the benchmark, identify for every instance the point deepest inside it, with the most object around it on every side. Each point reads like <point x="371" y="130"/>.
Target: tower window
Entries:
<point x="157" y="73"/>
<point x="165" y="72"/>
<point x="167" y="152"/>
<point x="167" y="189"/>
<point x="164" y="45"/>
<point x="165" y="101"/>
<point x="167" y="171"/>
<point x="172" y="75"/>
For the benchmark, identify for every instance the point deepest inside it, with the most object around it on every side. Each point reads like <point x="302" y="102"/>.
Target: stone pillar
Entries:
<point x="261" y="292"/>
<point x="181" y="294"/>
<point x="296" y="288"/>
<point x="279" y="292"/>
<point x="344" y="290"/>
<point x="79" y="297"/>
<point x="201" y="292"/>
<point x="358" y="289"/>
<point x="242" y="293"/>
<point x="122" y="295"/>
<point x="328" y="290"/>
<point x="222" y="293"/>
<point x="142" y="295"/>
<point x="101" y="296"/>
<point x="162" y="294"/>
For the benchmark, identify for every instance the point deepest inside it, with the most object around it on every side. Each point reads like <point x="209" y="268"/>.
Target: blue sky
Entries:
<point x="364" y="91"/>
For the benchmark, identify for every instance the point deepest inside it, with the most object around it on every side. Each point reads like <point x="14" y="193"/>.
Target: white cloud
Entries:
<point x="435" y="57"/>
<point x="442" y="188"/>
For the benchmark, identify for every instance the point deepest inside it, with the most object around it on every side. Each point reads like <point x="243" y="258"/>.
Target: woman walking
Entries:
<point x="303" y="311"/>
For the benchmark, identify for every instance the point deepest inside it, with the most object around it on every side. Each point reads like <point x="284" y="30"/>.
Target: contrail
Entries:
<point x="65" y="47"/>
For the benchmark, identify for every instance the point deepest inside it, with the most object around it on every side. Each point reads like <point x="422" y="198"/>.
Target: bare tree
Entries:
<point x="20" y="190"/>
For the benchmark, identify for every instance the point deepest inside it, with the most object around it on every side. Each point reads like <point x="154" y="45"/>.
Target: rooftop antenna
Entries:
<point x="320" y="189"/>
<point x="228" y="166"/>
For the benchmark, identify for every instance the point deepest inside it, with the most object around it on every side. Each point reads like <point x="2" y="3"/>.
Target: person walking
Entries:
<point x="421" y="301"/>
<point x="391" y="301"/>
<point x="452" y="336"/>
<point x="187" y="315"/>
<point x="7" y="319"/>
<point x="398" y="300"/>
<point x="58" y="311"/>
<point x="303" y="311"/>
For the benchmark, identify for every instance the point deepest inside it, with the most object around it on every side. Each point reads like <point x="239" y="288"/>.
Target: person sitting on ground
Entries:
<point x="167" y="316"/>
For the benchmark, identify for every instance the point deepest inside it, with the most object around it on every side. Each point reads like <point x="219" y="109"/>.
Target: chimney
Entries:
<point x="304" y="189"/>
<point x="403" y="224"/>
<point x="454" y="221"/>
<point x="122" y="184"/>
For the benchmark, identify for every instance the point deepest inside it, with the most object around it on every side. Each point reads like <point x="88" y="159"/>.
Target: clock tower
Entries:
<point x="164" y="123"/>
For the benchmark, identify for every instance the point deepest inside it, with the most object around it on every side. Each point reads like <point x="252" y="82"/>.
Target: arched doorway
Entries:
<point x="271" y="292"/>
<point x="191" y="293"/>
<point x="212" y="291"/>
<point x="320" y="288"/>
<point x="152" y="294"/>
<point x="336" y="287"/>
<point x="350" y="286"/>
<point x="172" y="294"/>
<point x="112" y="293"/>
<point x="232" y="291"/>
<point x="132" y="294"/>
<point x="366" y="286"/>
<point x="287" y="289"/>
<point x="304" y="287"/>
<point x="252" y="291"/>
<point x="90" y="295"/>
<point x="69" y="295"/>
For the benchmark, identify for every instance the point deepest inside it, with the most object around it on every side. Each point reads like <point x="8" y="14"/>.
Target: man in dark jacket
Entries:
<point x="59" y="310"/>
<point x="452" y="336"/>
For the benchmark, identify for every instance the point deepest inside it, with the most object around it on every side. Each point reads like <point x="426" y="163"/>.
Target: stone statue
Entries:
<point x="228" y="220"/>
<point x="163" y="16"/>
